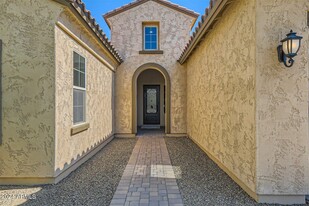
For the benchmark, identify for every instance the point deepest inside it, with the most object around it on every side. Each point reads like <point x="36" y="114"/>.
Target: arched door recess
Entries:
<point x="166" y="76"/>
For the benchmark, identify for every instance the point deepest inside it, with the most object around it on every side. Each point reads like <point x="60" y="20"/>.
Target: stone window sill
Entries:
<point x="151" y="52"/>
<point x="79" y="128"/>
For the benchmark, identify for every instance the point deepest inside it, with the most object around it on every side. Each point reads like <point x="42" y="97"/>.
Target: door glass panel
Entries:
<point x="151" y="101"/>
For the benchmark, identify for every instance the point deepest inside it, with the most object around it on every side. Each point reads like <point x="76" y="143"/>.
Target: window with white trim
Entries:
<point x="151" y="37"/>
<point x="79" y="89"/>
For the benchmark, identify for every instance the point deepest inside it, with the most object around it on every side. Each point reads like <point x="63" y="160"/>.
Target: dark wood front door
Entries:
<point x="151" y="104"/>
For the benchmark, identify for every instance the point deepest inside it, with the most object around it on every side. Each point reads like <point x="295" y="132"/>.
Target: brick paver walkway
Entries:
<point x="149" y="178"/>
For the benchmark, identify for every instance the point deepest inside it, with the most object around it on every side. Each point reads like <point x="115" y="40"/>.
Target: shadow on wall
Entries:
<point x="92" y="184"/>
<point x="67" y="165"/>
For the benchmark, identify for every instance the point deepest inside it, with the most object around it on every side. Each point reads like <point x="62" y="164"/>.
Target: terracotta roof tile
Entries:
<point x="215" y="8"/>
<point x="80" y="7"/>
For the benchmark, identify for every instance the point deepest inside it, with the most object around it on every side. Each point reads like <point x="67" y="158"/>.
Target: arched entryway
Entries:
<point x="145" y="71"/>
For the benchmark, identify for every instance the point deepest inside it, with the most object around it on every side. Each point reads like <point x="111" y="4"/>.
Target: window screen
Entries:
<point x="79" y="106"/>
<point x="79" y="71"/>
<point x="79" y="89"/>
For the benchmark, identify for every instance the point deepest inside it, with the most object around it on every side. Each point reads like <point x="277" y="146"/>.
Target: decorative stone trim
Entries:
<point x="151" y="52"/>
<point x="79" y="128"/>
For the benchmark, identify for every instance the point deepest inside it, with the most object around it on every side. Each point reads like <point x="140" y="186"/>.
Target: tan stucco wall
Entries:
<point x="282" y="100"/>
<point x="221" y="92"/>
<point x="149" y="77"/>
<point x="99" y="94"/>
<point x="27" y="31"/>
<point x="127" y="37"/>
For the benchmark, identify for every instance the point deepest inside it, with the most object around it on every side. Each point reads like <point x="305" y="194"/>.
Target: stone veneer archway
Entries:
<point x="166" y="76"/>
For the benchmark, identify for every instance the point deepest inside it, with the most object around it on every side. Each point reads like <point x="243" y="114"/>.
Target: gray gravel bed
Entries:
<point x="94" y="183"/>
<point x="200" y="180"/>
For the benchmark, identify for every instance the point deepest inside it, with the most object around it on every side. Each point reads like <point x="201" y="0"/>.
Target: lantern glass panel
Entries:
<point x="295" y="45"/>
<point x="286" y="46"/>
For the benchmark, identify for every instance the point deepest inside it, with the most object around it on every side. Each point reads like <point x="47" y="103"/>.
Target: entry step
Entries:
<point x="150" y="127"/>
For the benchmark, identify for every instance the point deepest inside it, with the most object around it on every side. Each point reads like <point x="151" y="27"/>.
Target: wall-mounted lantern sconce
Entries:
<point x="289" y="48"/>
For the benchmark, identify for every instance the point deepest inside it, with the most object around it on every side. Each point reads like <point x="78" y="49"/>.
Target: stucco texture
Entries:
<point x="99" y="94"/>
<point x="127" y="34"/>
<point x="28" y="93"/>
<point x="282" y="100"/>
<point x="221" y="92"/>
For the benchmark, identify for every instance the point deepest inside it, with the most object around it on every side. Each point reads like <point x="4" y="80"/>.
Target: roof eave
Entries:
<point x="137" y="3"/>
<point x="193" y="23"/>
<point x="205" y="25"/>
<point x="85" y="16"/>
<point x="63" y="2"/>
<point x="107" y="22"/>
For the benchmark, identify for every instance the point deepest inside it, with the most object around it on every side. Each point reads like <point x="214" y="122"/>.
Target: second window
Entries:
<point x="151" y="37"/>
